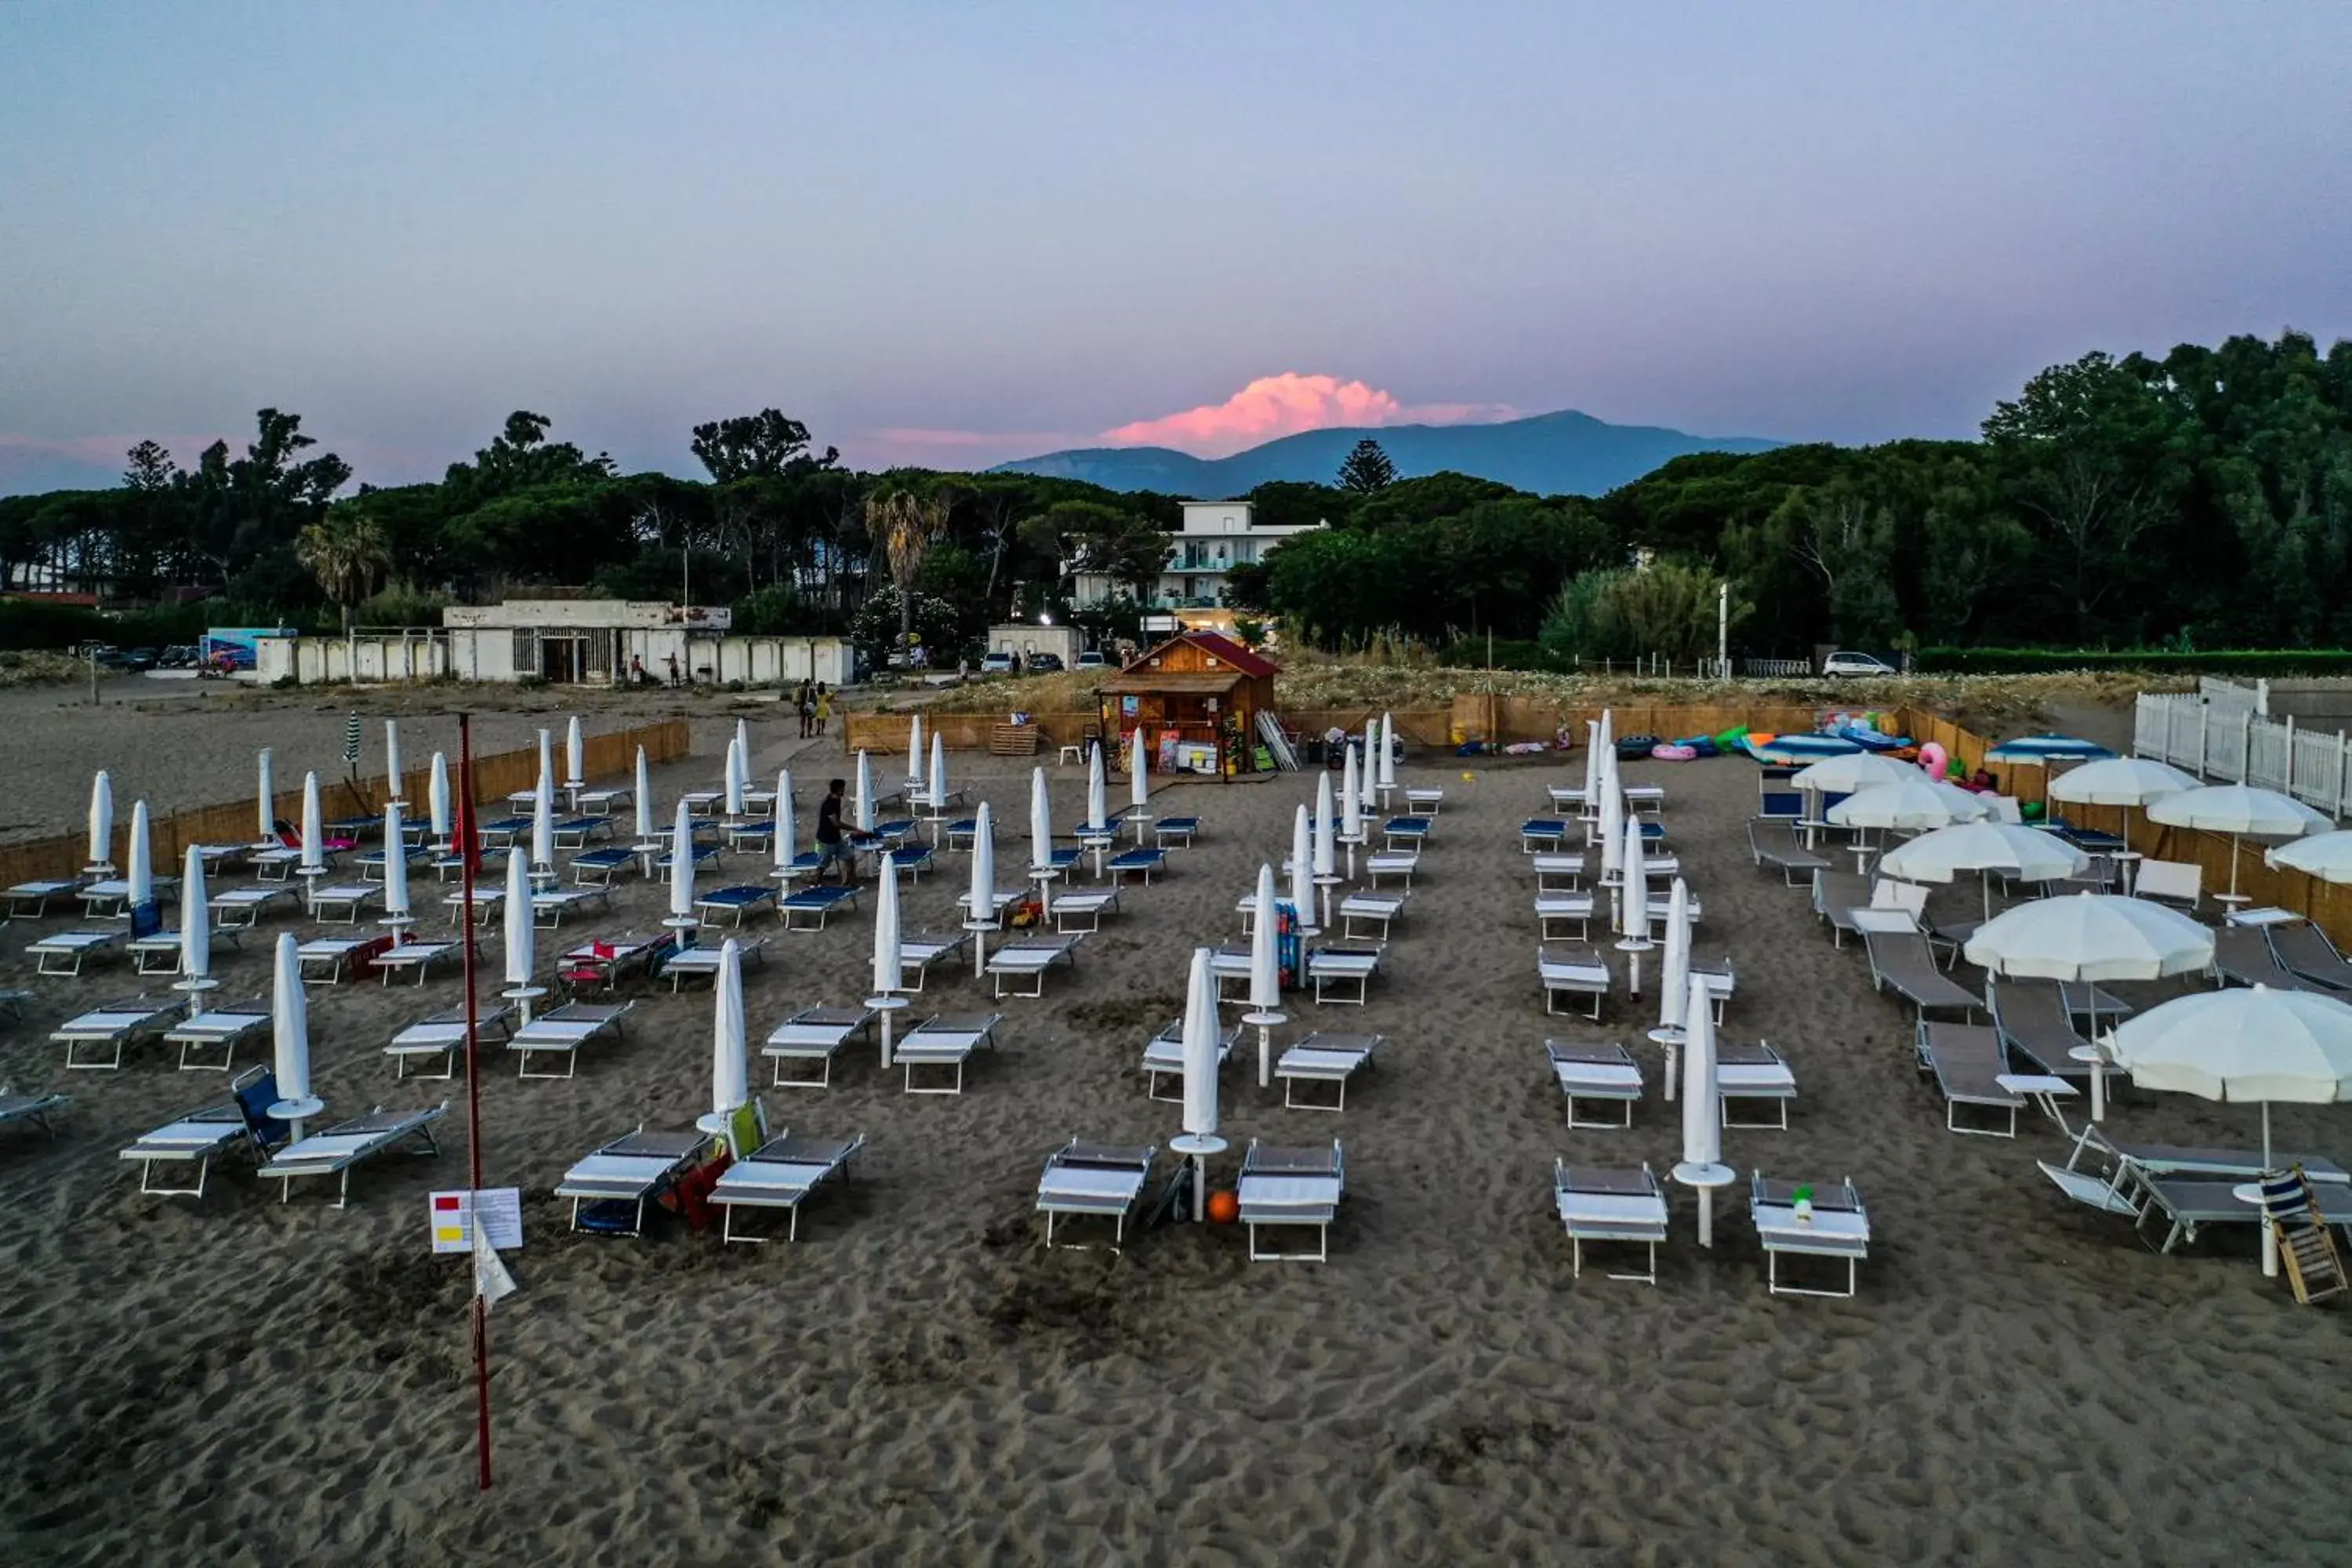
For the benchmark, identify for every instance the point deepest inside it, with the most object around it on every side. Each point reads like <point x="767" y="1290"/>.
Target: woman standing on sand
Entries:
<point x="805" y="708"/>
<point x="823" y="707"/>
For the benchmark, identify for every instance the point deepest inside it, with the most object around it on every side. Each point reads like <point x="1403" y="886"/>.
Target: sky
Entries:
<point x="952" y="235"/>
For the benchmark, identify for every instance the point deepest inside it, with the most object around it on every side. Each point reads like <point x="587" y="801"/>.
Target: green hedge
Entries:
<point x="2246" y="662"/>
<point x="45" y="624"/>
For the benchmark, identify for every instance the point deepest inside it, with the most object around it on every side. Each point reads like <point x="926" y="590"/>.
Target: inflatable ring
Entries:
<point x="1672" y="753"/>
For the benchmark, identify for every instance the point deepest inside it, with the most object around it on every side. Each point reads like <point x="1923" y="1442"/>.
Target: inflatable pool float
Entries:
<point x="1672" y="753"/>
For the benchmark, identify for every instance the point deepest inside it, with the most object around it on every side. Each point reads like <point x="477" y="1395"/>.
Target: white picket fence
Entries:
<point x="2218" y="732"/>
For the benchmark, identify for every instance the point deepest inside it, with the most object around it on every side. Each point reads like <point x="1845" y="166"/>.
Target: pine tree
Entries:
<point x="1368" y="468"/>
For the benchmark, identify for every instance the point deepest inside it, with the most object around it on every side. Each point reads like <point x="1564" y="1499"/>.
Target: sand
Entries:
<point x="916" y="1380"/>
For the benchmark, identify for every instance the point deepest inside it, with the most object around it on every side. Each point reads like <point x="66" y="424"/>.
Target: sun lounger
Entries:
<point x="2188" y="1160"/>
<point x="2187" y="1204"/>
<point x="1177" y="831"/>
<point x="1229" y="966"/>
<point x="1003" y="899"/>
<point x="328" y="960"/>
<point x="2243" y="956"/>
<point x="339" y="903"/>
<point x="918" y="951"/>
<point x="815" y="1035"/>
<point x="110" y="898"/>
<point x="113" y="1026"/>
<point x="241" y="1120"/>
<point x="371" y="863"/>
<point x="347" y="1144"/>
<point x="702" y="963"/>
<point x="1370" y="911"/>
<point x="1776" y="848"/>
<point x="946" y="1040"/>
<point x="1901" y="961"/>
<point x="1142" y="862"/>
<point x="597" y="868"/>
<point x="159" y="952"/>
<point x="413" y="958"/>
<point x="1088" y="905"/>
<point x="1399" y="863"/>
<point x="1163" y="1058"/>
<point x="1595" y="1070"/>
<point x="1565" y="797"/>
<point x="1757" y="1071"/>
<point x="1095" y="1182"/>
<point x="1837" y="895"/>
<point x="550" y="905"/>
<point x="243" y="907"/>
<point x="30" y="901"/>
<point x="1322" y="1058"/>
<point x="1557" y="912"/>
<point x="1408" y="832"/>
<point x="1571" y="970"/>
<point x="33" y="1110"/>
<point x="2036" y="1030"/>
<point x="816" y="905"/>
<point x="443" y="1035"/>
<point x="2180" y="883"/>
<point x="220" y="1027"/>
<point x="1608" y="1205"/>
<point x="1031" y="956"/>
<point x="1423" y="802"/>
<point x="912" y="861"/>
<point x="731" y="904"/>
<point x="600" y="966"/>
<point x="1327" y="967"/>
<point x="64" y="952"/>
<point x="501" y="833"/>
<point x="629" y="1171"/>
<point x="562" y="1031"/>
<point x="1291" y="1188"/>
<point x="2304" y="949"/>
<point x="579" y="832"/>
<point x="1543" y="833"/>
<point x="1839" y="1227"/>
<point x="1968" y="1064"/>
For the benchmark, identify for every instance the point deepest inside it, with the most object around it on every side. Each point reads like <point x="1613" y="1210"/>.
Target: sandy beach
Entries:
<point x="915" y="1380"/>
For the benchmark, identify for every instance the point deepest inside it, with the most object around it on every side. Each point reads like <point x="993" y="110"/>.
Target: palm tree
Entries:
<point x="347" y="555"/>
<point x="906" y="525"/>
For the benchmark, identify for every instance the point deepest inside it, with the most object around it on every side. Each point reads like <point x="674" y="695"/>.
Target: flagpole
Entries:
<point x="468" y="853"/>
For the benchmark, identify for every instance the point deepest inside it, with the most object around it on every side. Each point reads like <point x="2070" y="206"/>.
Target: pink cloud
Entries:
<point x="1283" y="404"/>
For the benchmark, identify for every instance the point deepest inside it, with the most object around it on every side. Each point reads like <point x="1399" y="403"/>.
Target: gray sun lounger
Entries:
<point x="1837" y="895"/>
<point x="1324" y="1056"/>
<point x="243" y="907"/>
<point x="702" y="963"/>
<point x="1968" y="1064"/>
<point x="1338" y="965"/>
<point x="1557" y="873"/>
<point x="443" y="1035"/>
<point x="1840" y="1228"/>
<point x="920" y="950"/>
<point x="562" y="1031"/>
<point x="33" y="1110"/>
<point x="1293" y="1189"/>
<point x="2188" y="1203"/>
<point x="340" y="1148"/>
<point x="1757" y="1071"/>
<point x="2242" y="955"/>
<point x="1093" y="1181"/>
<point x="1571" y="970"/>
<point x="2303" y="949"/>
<point x="947" y="1040"/>
<point x="1776" y="848"/>
<point x="781" y="1173"/>
<point x="113" y="1026"/>
<point x="1370" y="909"/>
<point x="414" y="959"/>
<point x="2188" y="1160"/>
<point x="1902" y="961"/>
<point x="1557" y="912"/>
<point x="221" y="1027"/>
<point x="64" y="952"/>
<point x="1163" y="1058"/>
<point x="1089" y="904"/>
<point x="210" y="1132"/>
<point x="2035" y="1028"/>
<point x="631" y="1169"/>
<point x="1608" y="1205"/>
<point x="1031" y="956"/>
<point x="30" y="901"/>
<point x="1595" y="1070"/>
<point x="814" y="1035"/>
<point x="1391" y="863"/>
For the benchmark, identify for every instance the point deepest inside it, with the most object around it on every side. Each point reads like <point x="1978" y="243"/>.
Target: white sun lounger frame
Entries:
<point x="1841" y="1233"/>
<point x="1562" y="975"/>
<point x="347" y="1144"/>
<point x="58" y="947"/>
<point x="1275" y="1194"/>
<point x="443" y="1034"/>
<point x="945" y="1040"/>
<point x="1093" y="1181"/>
<point x="197" y="1138"/>
<point x="1596" y="1070"/>
<point x="561" y="1031"/>
<point x="818" y="1034"/>
<point x="222" y="1029"/>
<point x="630" y="1169"/>
<point x="1163" y="1058"/>
<point x="1336" y="966"/>
<point x="114" y="1025"/>
<point x="1638" y="1219"/>
<point x="1769" y="1081"/>
<point x="1031" y="956"/>
<point x="762" y="1179"/>
<point x="1324" y="1056"/>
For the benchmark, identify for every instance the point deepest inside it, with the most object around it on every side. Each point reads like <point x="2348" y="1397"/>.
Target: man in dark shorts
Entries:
<point x="834" y="843"/>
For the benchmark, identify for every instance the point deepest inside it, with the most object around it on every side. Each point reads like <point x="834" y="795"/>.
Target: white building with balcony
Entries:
<point x="1216" y="536"/>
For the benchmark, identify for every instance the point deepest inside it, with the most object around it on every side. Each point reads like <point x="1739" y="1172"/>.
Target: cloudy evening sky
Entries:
<point x="955" y="234"/>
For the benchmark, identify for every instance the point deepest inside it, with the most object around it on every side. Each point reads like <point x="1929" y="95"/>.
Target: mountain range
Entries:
<point x="1566" y="453"/>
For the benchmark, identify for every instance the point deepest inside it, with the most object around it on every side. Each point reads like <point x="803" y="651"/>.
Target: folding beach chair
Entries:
<point x="1775" y="847"/>
<point x="1324" y="1058"/>
<point x="1291" y="1189"/>
<point x="33" y="1110"/>
<point x="946" y="1040"/>
<point x="731" y="904"/>
<point x="221" y="1027"/>
<point x="1031" y="956"/>
<point x="816" y="905"/>
<point x="1836" y="1226"/>
<point x="113" y="1026"/>
<point x="2304" y="949"/>
<point x="1968" y="1064"/>
<point x="1093" y="1181"/>
<point x="1163" y="1058"/>
<point x="64" y="952"/>
<point x="2314" y="1268"/>
<point x="1595" y="1070"/>
<point x="815" y="1035"/>
<point x="1608" y="1205"/>
<point x="1757" y="1071"/>
<point x="348" y="1144"/>
<point x="1571" y="970"/>
<point x="1375" y="912"/>
<point x="1901" y="961"/>
<point x="562" y="1031"/>
<point x="781" y="1173"/>
<point x="241" y="1120"/>
<point x="620" y="1176"/>
<point x="443" y="1035"/>
<point x="1343" y="966"/>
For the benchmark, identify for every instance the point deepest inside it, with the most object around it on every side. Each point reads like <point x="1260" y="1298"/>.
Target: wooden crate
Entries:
<point x="1005" y="740"/>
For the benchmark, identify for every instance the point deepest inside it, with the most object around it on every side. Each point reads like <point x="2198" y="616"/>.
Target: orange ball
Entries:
<point x="1225" y="1207"/>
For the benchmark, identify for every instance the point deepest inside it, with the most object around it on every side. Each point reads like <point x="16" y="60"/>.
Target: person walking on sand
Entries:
<point x="803" y="707"/>
<point x="823" y="707"/>
<point x="673" y="669"/>
<point x="834" y="843"/>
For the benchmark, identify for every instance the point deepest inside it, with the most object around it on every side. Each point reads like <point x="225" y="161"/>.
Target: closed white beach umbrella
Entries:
<point x="546" y="759"/>
<point x="522" y="955"/>
<point x="915" y="773"/>
<point x="2242" y="812"/>
<point x="1098" y="794"/>
<point x="1139" y="782"/>
<point x="138" y="864"/>
<point x="1302" y="868"/>
<point x="2091" y="936"/>
<point x="1367" y="776"/>
<point x="575" y="753"/>
<point x="1388" y="752"/>
<point x="982" y="893"/>
<point x="195" y="920"/>
<point x="642" y="797"/>
<point x="101" y="820"/>
<point x="1325" y="848"/>
<point x="391" y="780"/>
<point x="1608" y="747"/>
<point x="1673" y="974"/>
<point x="266" y="780"/>
<point x="730" y="1068"/>
<point x="1634" y="902"/>
<point x="2021" y="853"/>
<point x="1041" y="823"/>
<point x="736" y="780"/>
<point x="784" y="846"/>
<point x="1200" y="1040"/>
<point x="2120" y="781"/>
<point x="1853" y="771"/>
<point x="888" y="961"/>
<point x="1613" y="826"/>
<point x="1591" y="764"/>
<point x="436" y="799"/>
<point x="2239" y="1044"/>
<point x="743" y="744"/>
<point x="938" y="782"/>
<point x="2326" y="856"/>
<point x="1702" y="1102"/>
<point x="1266" y="961"/>
<point x="681" y="864"/>
<point x="1909" y="806"/>
<point x="1352" y="797"/>
<point x="865" y="803"/>
<point x="290" y="1017"/>
<point x="542" y="826"/>
<point x="314" y="831"/>
<point x="395" y="864"/>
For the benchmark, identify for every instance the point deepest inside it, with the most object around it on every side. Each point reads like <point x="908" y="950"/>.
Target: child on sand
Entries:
<point x="823" y="707"/>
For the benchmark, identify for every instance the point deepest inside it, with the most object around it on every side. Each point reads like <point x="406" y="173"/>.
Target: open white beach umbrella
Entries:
<point x="2239" y="1044"/>
<point x="1914" y="805"/>
<point x="1302" y="868"/>
<point x="1634" y="902"/>
<point x="542" y="825"/>
<point x="392" y="769"/>
<point x="681" y="865"/>
<point x="730" y="1068"/>
<point x="642" y="797"/>
<point x="290" y="1017"/>
<point x="1852" y="770"/>
<point x="937" y="781"/>
<point x="1200" y="1042"/>
<point x="865" y="804"/>
<point x="1674" y="972"/>
<point x="890" y="974"/>
<point x="2326" y="856"/>
<point x="195" y="920"/>
<point x="2242" y="812"/>
<point x="2091" y="936"/>
<point x="1702" y="1103"/>
<point x="575" y="753"/>
<point x="1327" y="863"/>
<point x="266" y="782"/>
<point x="1139" y="782"/>
<point x="314" y="830"/>
<point x="1098" y="794"/>
<point x="982" y="893"/>
<point x="2023" y="853"/>
<point x="738" y="777"/>
<point x="916" y="776"/>
<point x="395" y="864"/>
<point x="782" y="845"/>
<point x="138" y="861"/>
<point x="1352" y="797"/>
<point x="1265" y="963"/>
<point x="101" y="820"/>
<point x="1613" y="826"/>
<point x="1388" y="752"/>
<point x="436" y="799"/>
<point x="522" y="955"/>
<point x="1041" y="823"/>
<point x="2120" y="781"/>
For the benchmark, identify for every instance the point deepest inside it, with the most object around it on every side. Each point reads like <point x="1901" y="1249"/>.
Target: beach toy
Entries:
<point x="2031" y="811"/>
<point x="1732" y="740"/>
<point x="1469" y="778"/>
<point x="1223" y="1208"/>
<point x="1672" y="753"/>
<point x="1933" y="758"/>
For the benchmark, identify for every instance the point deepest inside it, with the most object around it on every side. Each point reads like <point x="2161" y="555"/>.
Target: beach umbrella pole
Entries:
<point x="890" y="1006"/>
<point x="468" y="855"/>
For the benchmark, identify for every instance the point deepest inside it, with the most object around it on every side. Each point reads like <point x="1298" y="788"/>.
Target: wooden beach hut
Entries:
<point x="1196" y="696"/>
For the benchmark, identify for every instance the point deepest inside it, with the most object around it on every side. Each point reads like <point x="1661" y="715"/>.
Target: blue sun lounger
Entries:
<point x="1145" y="861"/>
<point x="502" y="833"/>
<point x="1543" y="833"/>
<point x="597" y="868"/>
<point x="1407" y="832"/>
<point x="816" y="905"/>
<point x="1175" y="830"/>
<point x="732" y="903"/>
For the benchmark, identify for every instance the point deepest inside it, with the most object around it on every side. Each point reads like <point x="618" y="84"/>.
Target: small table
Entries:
<point x="2229" y="901"/>
<point x="2251" y="1192"/>
<point x="2267" y="915"/>
<point x="2044" y="1090"/>
<point x="2095" y="1058"/>
<point x="2125" y="860"/>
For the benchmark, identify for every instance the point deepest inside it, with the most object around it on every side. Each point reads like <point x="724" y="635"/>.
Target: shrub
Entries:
<point x="2246" y="663"/>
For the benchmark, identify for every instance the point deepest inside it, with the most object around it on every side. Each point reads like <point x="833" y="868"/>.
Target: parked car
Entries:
<point x="996" y="664"/>
<point x="1847" y="662"/>
<point x="1045" y="664"/>
<point x="1092" y="659"/>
